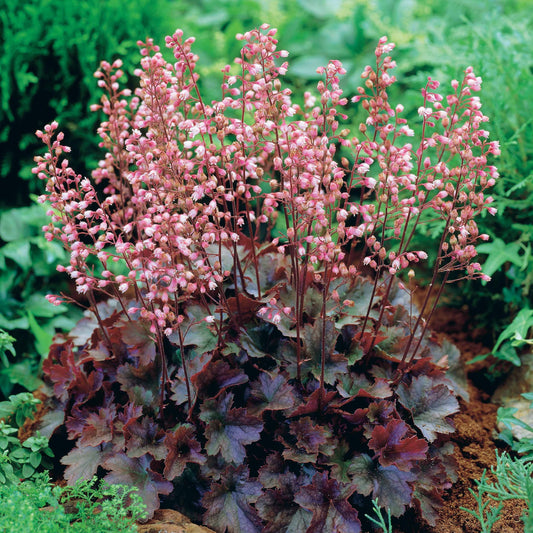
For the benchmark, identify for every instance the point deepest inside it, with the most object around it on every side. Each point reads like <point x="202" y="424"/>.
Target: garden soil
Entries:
<point x="475" y="444"/>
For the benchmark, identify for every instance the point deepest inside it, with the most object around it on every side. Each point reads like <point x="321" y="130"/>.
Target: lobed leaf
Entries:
<point x="429" y="404"/>
<point x="136" y="472"/>
<point x="229" y="430"/>
<point x="229" y="502"/>
<point x="390" y="485"/>
<point x="328" y="501"/>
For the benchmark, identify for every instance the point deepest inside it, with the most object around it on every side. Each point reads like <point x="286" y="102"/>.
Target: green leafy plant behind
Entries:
<point x="55" y="77"/>
<point x="27" y="268"/>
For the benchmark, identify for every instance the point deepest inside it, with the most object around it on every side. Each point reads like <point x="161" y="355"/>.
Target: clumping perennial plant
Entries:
<point x="249" y="348"/>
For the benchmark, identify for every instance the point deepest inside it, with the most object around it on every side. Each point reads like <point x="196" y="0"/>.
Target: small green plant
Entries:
<point x="87" y="507"/>
<point x="6" y="346"/>
<point x="384" y="522"/>
<point x="18" y="408"/>
<point x="506" y="416"/>
<point x="514" y="481"/>
<point x="514" y="336"/>
<point x="20" y="460"/>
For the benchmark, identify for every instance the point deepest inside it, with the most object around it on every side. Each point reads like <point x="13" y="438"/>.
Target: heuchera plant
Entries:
<point x="248" y="348"/>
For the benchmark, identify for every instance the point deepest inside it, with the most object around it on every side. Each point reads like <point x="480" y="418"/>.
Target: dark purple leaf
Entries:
<point x="328" y="501"/>
<point x="393" y="449"/>
<point x="335" y="363"/>
<point x="66" y="375"/>
<point x="359" y="385"/>
<point x="358" y="417"/>
<point x="424" y="366"/>
<point x="140" y="341"/>
<point x="273" y="467"/>
<point x="75" y="422"/>
<point x="136" y="472"/>
<point x="429" y="404"/>
<point x="140" y="383"/>
<point x="271" y="392"/>
<point x="360" y="293"/>
<point x="195" y="330"/>
<point x="97" y="353"/>
<point x="310" y="439"/>
<point x="446" y="353"/>
<point x="394" y="342"/>
<point x="216" y="377"/>
<point x="228" y="503"/>
<point x="195" y="365"/>
<point x="84" y="329"/>
<point x="391" y="486"/>
<point x="433" y="476"/>
<point x="129" y="411"/>
<point x="183" y="448"/>
<point x="144" y="437"/>
<point x="381" y="412"/>
<point x="428" y="501"/>
<point x="83" y="462"/>
<point x="228" y="430"/>
<point x="340" y="461"/>
<point x="278" y="508"/>
<point x="98" y="427"/>
<point x="317" y="402"/>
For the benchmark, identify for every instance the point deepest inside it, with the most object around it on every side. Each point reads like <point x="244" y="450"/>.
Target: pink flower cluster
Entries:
<point x="189" y="193"/>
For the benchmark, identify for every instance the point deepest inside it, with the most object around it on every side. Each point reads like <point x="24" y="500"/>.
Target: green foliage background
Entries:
<point x="49" y="50"/>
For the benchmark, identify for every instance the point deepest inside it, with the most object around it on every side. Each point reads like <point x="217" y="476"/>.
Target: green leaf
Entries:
<point x="27" y="470"/>
<point x="39" y="306"/>
<point x="19" y="453"/>
<point x="13" y="323"/>
<point x="498" y="254"/>
<point x="508" y="353"/>
<point x="320" y="8"/>
<point x="35" y="459"/>
<point x="43" y="339"/>
<point x="521" y="325"/>
<point x="19" y="252"/>
<point x="305" y="67"/>
<point x="22" y="222"/>
<point x="23" y="373"/>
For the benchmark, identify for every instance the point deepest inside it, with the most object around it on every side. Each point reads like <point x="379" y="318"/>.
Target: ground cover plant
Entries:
<point x="251" y="349"/>
<point x="87" y="507"/>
